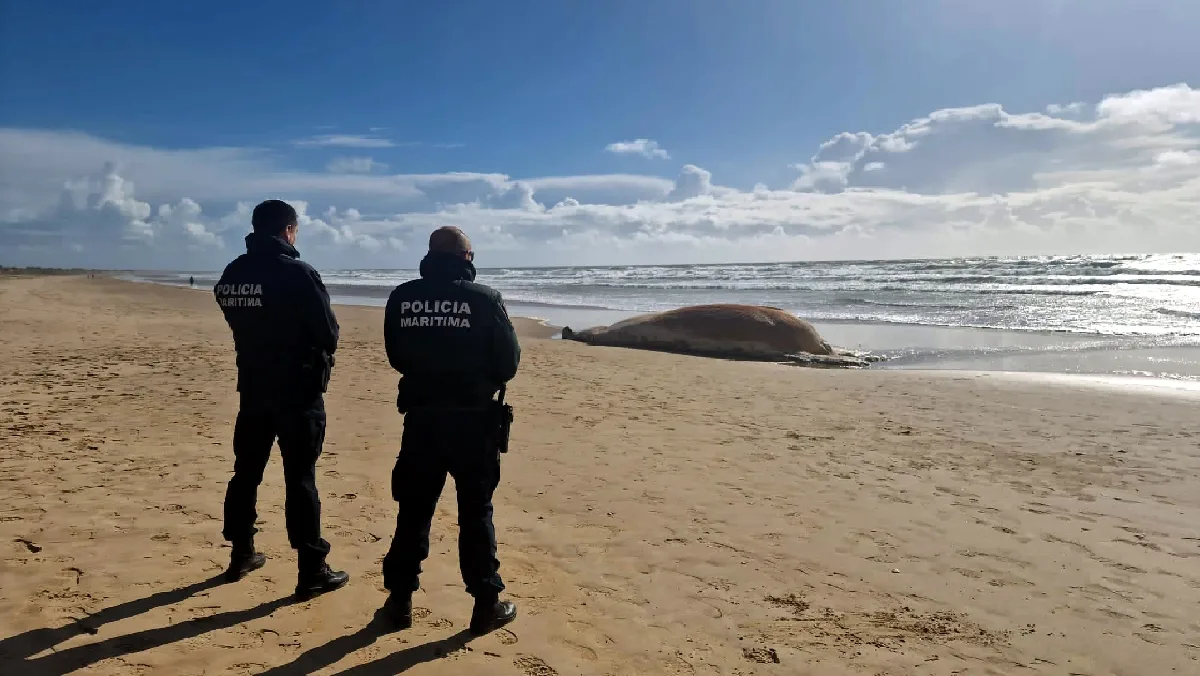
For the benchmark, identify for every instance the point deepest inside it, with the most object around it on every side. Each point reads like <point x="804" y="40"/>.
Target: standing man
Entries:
<point x="454" y="346"/>
<point x="285" y="334"/>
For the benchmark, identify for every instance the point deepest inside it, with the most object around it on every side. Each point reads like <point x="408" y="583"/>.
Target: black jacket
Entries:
<point x="450" y="338"/>
<point x="284" y="329"/>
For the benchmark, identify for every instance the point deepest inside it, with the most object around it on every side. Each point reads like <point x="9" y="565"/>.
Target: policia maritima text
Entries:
<point x="451" y="340"/>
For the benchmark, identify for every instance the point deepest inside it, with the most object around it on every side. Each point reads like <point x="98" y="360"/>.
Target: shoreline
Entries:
<point x="1130" y="385"/>
<point x="925" y="347"/>
<point x="380" y="299"/>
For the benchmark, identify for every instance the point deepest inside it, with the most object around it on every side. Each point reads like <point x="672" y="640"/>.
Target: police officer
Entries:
<point x="454" y="346"/>
<point x="285" y="334"/>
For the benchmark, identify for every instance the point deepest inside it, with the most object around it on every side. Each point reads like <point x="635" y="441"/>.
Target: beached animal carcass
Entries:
<point x="727" y="331"/>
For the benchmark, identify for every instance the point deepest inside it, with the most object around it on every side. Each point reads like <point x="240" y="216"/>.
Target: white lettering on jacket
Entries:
<point x="429" y="307"/>
<point x="239" y="295"/>
<point x="436" y="320"/>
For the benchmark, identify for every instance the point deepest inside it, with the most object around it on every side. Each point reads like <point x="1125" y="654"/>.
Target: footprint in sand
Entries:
<point x="73" y="573"/>
<point x="505" y="637"/>
<point x="761" y="655"/>
<point x="792" y="602"/>
<point x="531" y="665"/>
<point x="584" y="652"/>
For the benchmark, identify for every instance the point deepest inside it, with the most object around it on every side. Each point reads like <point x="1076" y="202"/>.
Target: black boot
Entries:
<point x="242" y="561"/>
<point x="319" y="580"/>
<point x="398" y="609"/>
<point x="491" y="613"/>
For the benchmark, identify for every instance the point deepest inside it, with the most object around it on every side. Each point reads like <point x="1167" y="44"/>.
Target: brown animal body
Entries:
<point x="723" y="330"/>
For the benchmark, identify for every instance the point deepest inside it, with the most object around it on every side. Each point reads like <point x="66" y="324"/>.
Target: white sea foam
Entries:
<point x="1134" y="302"/>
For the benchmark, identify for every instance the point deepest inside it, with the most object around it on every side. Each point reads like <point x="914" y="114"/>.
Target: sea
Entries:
<point x="1114" y="315"/>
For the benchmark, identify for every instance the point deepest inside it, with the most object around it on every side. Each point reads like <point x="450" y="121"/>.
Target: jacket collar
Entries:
<point x="274" y="245"/>
<point x="447" y="267"/>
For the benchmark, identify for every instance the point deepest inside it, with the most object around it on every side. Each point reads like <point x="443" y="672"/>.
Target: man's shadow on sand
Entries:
<point x="395" y="663"/>
<point x="16" y="652"/>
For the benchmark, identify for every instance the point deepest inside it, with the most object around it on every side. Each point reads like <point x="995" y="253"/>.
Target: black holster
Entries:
<point x="500" y="416"/>
<point x="318" y="370"/>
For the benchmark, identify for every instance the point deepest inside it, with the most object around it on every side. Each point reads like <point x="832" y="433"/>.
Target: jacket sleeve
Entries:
<point x="506" y="350"/>
<point x="391" y="338"/>
<point x="318" y="316"/>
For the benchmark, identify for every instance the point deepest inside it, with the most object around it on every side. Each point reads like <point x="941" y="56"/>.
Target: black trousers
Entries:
<point x="434" y="444"/>
<point x="300" y="430"/>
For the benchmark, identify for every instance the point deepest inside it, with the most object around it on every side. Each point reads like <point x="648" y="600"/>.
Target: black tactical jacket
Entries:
<point x="450" y="338"/>
<point x="284" y="329"/>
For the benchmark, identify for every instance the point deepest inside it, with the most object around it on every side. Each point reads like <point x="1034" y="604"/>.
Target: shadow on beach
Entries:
<point x="395" y="663"/>
<point x="16" y="652"/>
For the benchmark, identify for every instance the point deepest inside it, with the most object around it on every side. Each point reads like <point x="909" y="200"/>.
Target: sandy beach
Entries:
<point x="658" y="514"/>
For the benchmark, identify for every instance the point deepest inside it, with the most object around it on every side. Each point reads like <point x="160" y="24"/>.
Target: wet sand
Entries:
<point x="658" y="514"/>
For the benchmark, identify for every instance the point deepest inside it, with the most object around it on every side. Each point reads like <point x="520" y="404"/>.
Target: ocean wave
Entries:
<point x="1132" y="295"/>
<point x="517" y="300"/>
<point x="1189" y="338"/>
<point x="846" y="281"/>
<point x="1172" y="312"/>
<point x="933" y="305"/>
<point x="1066" y="280"/>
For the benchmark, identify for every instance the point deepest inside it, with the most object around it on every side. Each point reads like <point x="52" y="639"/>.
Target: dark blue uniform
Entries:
<point x="454" y="346"/>
<point x="285" y="334"/>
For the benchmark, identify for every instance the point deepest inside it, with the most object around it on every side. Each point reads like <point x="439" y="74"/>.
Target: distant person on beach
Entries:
<point x="455" y="348"/>
<point x="191" y="281"/>
<point x="285" y="334"/>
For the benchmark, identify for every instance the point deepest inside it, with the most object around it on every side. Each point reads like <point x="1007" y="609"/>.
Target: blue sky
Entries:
<point x="746" y="92"/>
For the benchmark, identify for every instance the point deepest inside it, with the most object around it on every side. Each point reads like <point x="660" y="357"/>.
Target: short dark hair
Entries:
<point x="272" y="217"/>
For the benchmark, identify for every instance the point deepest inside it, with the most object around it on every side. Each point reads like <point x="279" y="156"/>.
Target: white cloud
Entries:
<point x="1066" y="109"/>
<point x="692" y="182"/>
<point x="1166" y="105"/>
<point x="354" y="165"/>
<point x="1118" y="175"/>
<point x="365" y="141"/>
<point x="344" y="141"/>
<point x="1178" y="158"/>
<point x="99" y="218"/>
<point x="642" y="146"/>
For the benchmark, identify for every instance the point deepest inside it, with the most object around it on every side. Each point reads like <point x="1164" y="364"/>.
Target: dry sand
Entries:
<point x="658" y="514"/>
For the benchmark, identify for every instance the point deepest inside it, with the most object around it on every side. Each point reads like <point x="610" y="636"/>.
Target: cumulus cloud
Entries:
<point x="1117" y="175"/>
<point x="98" y="217"/>
<point x="642" y="146"/>
<point x="354" y="165"/>
<point x="986" y="150"/>
<point x="692" y="182"/>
